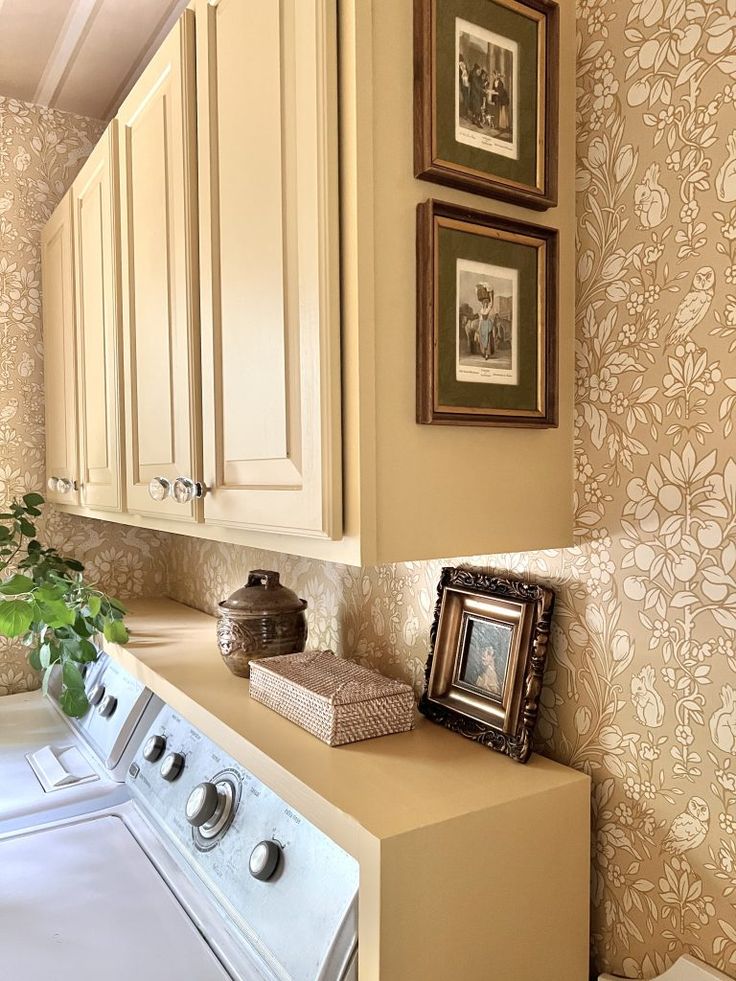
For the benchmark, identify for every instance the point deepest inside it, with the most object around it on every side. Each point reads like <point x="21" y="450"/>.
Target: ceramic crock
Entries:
<point x="261" y="619"/>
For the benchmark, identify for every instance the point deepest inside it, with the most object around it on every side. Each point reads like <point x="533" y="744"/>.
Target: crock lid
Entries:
<point x="263" y="594"/>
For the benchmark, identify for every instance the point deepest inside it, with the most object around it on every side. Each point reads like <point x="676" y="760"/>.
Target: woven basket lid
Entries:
<point x="262" y="595"/>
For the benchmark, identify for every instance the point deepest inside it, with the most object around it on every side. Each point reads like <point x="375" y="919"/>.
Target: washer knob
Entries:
<point x="172" y="766"/>
<point x="96" y="694"/>
<point x="154" y="748"/>
<point x="107" y="706"/>
<point x="264" y="860"/>
<point x="202" y="804"/>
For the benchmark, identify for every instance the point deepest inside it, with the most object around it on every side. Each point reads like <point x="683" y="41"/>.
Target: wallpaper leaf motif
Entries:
<point x="41" y="151"/>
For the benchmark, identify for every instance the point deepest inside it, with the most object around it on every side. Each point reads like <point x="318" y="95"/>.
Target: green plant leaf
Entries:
<point x="74" y="702"/>
<point x="94" y="605"/>
<point x="34" y="659"/>
<point x="16" y="616"/>
<point x="116" y="632"/>
<point x="54" y="612"/>
<point x="33" y="500"/>
<point x="27" y="528"/>
<point x="16" y="585"/>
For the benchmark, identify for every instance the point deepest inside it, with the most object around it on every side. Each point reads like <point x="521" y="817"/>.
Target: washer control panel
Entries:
<point x="278" y="877"/>
<point x="120" y="707"/>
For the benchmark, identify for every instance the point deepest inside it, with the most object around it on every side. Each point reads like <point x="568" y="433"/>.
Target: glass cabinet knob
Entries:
<point x="187" y="490"/>
<point x="159" y="488"/>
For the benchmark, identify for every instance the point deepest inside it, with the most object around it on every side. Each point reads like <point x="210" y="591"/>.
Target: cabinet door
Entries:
<point x="94" y="202"/>
<point x="266" y="76"/>
<point x="159" y="291"/>
<point x="59" y="356"/>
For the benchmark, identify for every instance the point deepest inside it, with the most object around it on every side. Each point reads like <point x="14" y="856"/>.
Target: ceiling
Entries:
<point x="81" y="56"/>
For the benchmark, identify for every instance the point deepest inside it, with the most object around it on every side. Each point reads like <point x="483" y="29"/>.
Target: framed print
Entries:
<point x="486" y="319"/>
<point x="486" y="97"/>
<point x="488" y="647"/>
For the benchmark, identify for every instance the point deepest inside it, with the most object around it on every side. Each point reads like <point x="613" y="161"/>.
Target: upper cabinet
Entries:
<point x="96" y="266"/>
<point x="267" y="230"/>
<point x="59" y="346"/>
<point x="158" y="235"/>
<point x="269" y="265"/>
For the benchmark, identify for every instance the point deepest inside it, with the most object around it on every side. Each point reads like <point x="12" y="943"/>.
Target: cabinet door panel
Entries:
<point x="59" y="343"/>
<point x="268" y="249"/>
<point x="158" y="231"/>
<point x="98" y="326"/>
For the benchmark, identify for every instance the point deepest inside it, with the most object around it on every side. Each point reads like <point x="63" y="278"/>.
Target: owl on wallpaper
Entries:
<point x="723" y="721"/>
<point x="647" y="701"/>
<point x="689" y="828"/>
<point x="694" y="306"/>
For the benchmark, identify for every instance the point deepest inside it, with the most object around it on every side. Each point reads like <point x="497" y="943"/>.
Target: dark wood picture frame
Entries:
<point x="430" y="165"/>
<point x="432" y="217"/>
<point x="504" y="721"/>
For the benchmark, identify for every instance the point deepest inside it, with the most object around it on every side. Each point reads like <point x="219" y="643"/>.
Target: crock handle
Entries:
<point x="263" y="577"/>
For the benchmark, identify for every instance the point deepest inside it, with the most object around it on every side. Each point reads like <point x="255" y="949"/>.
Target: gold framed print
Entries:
<point x="487" y="655"/>
<point x="486" y="97"/>
<point x="486" y="319"/>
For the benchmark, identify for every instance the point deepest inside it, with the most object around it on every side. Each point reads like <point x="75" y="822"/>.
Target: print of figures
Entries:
<point x="486" y="323"/>
<point x="485" y="108"/>
<point x="486" y="657"/>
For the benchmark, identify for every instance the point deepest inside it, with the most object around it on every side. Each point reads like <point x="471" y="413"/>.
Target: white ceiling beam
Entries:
<point x="77" y="23"/>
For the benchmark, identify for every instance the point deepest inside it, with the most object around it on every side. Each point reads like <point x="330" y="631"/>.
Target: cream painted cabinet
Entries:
<point x="59" y="345"/>
<point x="159" y="278"/>
<point x="96" y="270"/>
<point x="269" y="266"/>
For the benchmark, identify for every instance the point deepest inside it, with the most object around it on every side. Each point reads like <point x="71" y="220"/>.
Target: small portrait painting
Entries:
<point x="486" y="86"/>
<point x="487" y="334"/>
<point x="485" y="658"/>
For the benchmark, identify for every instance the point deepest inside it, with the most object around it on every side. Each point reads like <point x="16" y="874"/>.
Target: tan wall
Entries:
<point x="644" y="661"/>
<point x="41" y="151"/>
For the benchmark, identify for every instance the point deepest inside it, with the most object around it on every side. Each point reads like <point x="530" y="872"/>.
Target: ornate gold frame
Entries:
<point x="505" y="724"/>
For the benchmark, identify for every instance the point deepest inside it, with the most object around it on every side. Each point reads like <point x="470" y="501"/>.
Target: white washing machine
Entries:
<point x="204" y="875"/>
<point x="54" y="766"/>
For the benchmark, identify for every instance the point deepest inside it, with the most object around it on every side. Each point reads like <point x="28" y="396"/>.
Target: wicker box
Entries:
<point x="336" y="700"/>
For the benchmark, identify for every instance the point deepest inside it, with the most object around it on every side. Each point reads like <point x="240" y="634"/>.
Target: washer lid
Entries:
<point x="82" y="902"/>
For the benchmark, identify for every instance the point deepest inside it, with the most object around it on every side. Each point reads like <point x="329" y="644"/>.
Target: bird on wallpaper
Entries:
<point x="694" y="306"/>
<point x="648" y="703"/>
<point x="723" y="721"/>
<point x="8" y="411"/>
<point x="651" y="199"/>
<point x="689" y="829"/>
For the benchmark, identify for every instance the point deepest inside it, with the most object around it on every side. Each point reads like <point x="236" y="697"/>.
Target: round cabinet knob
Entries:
<point x="96" y="694"/>
<point x="154" y="748"/>
<point x="52" y="483"/>
<point x="64" y="485"/>
<point x="202" y="804"/>
<point x="186" y="490"/>
<point x="159" y="488"/>
<point x="264" y="860"/>
<point x="172" y="766"/>
<point x="107" y="706"/>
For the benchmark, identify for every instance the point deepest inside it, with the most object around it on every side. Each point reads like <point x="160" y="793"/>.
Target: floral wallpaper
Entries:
<point x="41" y="151"/>
<point x="641" y="689"/>
<point x="641" y="692"/>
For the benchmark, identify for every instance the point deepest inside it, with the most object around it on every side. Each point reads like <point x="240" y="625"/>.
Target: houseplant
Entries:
<point x="46" y="601"/>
